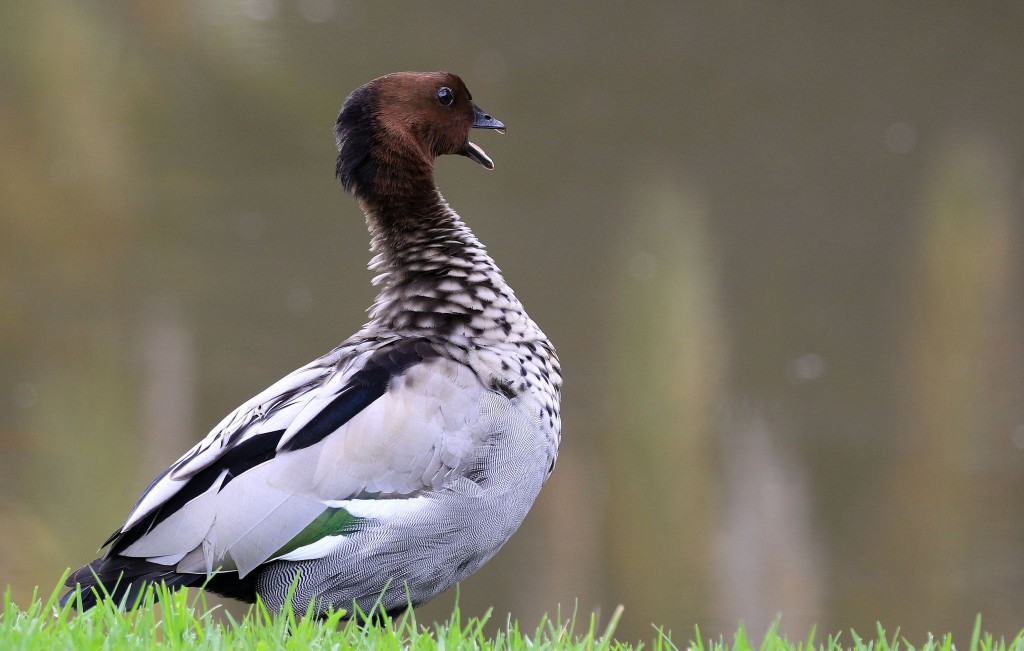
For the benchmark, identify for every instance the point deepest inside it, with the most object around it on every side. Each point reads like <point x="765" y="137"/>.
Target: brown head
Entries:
<point x="391" y="129"/>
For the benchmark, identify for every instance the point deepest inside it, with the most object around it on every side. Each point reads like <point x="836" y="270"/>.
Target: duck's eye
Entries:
<point x="445" y="96"/>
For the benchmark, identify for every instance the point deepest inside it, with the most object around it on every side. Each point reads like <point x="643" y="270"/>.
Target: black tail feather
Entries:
<point x="122" y="579"/>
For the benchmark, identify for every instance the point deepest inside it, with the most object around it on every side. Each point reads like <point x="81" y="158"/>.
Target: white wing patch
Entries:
<point x="318" y="549"/>
<point x="384" y="509"/>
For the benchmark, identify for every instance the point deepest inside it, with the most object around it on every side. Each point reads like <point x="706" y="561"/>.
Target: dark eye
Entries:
<point x="445" y="96"/>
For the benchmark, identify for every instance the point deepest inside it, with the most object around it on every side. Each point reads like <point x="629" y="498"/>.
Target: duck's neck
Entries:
<point x="433" y="272"/>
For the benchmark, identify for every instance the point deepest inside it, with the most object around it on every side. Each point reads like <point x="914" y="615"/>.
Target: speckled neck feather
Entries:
<point x="434" y="274"/>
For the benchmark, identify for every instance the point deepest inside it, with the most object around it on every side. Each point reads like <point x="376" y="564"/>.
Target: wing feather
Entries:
<point x="396" y="423"/>
<point x="270" y="410"/>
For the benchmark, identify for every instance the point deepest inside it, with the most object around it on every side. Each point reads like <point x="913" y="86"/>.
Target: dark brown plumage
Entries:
<point x="391" y="129"/>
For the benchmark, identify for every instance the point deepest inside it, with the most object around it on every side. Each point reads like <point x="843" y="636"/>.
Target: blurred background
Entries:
<point x="778" y="247"/>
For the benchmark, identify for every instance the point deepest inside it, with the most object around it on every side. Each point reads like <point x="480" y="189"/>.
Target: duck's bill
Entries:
<point x="483" y="120"/>
<point x="474" y="152"/>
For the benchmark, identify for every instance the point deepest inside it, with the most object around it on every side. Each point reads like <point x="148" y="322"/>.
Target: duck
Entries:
<point x="393" y="467"/>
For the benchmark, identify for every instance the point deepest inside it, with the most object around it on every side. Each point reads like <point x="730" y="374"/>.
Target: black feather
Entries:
<point x="365" y="386"/>
<point x="228" y="584"/>
<point x="122" y="578"/>
<point x="354" y="132"/>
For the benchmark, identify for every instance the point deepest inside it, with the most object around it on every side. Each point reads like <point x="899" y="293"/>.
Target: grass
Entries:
<point x="183" y="621"/>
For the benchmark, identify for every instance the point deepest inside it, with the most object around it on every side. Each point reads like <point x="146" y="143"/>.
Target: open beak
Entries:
<point x="482" y="120"/>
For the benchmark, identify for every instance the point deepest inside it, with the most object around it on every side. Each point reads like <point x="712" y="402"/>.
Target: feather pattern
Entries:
<point x="406" y="456"/>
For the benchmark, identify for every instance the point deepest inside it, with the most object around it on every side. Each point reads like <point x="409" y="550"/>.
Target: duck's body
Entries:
<point x="402" y="460"/>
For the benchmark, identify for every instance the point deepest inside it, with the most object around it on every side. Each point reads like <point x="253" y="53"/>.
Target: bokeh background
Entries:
<point x="778" y="247"/>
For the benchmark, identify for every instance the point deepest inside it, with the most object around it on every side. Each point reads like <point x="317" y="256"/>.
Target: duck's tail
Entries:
<point x="122" y="579"/>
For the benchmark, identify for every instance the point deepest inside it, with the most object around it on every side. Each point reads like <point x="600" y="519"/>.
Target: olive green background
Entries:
<point x="778" y="246"/>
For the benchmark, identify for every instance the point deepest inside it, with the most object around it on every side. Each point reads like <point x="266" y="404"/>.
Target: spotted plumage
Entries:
<point x="402" y="460"/>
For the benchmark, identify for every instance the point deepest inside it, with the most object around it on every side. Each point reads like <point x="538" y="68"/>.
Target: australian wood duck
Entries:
<point x="402" y="460"/>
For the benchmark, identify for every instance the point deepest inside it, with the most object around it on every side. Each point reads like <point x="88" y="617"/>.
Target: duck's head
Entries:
<point x="393" y="128"/>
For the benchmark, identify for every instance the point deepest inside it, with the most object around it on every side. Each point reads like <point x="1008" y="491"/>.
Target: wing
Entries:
<point x="235" y="444"/>
<point x="397" y="422"/>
